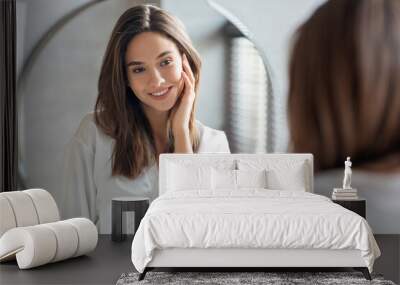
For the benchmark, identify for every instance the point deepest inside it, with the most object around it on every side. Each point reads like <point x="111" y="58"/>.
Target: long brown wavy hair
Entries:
<point x="344" y="93"/>
<point x="118" y="112"/>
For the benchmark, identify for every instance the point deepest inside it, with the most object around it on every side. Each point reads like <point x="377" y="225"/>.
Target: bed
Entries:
<point x="245" y="211"/>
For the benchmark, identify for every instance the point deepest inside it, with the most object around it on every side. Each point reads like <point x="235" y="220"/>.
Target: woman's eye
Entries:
<point x="165" y="62"/>
<point x="138" y="70"/>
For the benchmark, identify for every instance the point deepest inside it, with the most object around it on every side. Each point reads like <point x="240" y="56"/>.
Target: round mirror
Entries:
<point x="57" y="84"/>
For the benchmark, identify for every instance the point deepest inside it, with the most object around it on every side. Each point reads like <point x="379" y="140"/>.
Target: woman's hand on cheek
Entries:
<point x="181" y="112"/>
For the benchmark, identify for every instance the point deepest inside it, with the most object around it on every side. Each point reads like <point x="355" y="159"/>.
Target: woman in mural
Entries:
<point x="146" y="101"/>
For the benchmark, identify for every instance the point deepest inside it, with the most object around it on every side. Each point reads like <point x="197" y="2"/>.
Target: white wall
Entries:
<point x="35" y="18"/>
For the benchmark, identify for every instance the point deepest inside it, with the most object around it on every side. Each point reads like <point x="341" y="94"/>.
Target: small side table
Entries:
<point x="139" y="205"/>
<point x="358" y="206"/>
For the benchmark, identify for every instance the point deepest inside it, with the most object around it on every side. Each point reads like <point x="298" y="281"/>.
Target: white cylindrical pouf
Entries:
<point x="33" y="246"/>
<point x="7" y="218"/>
<point x="67" y="239"/>
<point x="87" y="233"/>
<point x="45" y="205"/>
<point x="23" y="208"/>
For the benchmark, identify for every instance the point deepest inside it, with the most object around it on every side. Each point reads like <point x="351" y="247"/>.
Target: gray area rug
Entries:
<point x="225" y="278"/>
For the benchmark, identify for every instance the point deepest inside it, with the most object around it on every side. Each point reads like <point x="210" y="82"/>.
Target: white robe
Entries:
<point x="88" y="186"/>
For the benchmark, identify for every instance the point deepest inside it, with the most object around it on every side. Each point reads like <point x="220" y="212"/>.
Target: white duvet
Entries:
<point x="252" y="218"/>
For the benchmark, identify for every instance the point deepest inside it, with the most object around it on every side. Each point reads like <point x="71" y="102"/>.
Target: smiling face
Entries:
<point x="154" y="70"/>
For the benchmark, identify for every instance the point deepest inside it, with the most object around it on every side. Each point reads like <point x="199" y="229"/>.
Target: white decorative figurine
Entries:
<point x="347" y="174"/>
<point x="347" y="192"/>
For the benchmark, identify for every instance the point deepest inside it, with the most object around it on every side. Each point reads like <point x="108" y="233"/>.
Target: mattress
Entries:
<point x="250" y="219"/>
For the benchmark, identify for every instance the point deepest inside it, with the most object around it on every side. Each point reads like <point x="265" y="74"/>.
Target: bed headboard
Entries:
<point x="286" y="165"/>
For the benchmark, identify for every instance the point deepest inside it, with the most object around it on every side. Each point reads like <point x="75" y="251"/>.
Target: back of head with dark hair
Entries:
<point x="344" y="94"/>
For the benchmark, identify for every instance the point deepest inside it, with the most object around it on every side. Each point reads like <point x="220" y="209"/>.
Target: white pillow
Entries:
<point x="292" y="178"/>
<point x="226" y="179"/>
<point x="223" y="179"/>
<point x="251" y="178"/>
<point x="282" y="174"/>
<point x="182" y="177"/>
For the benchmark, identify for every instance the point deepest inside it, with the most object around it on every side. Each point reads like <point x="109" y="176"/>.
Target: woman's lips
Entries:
<point x="159" y="95"/>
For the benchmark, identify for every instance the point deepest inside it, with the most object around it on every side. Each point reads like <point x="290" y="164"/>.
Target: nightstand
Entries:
<point x="358" y="206"/>
<point x="139" y="205"/>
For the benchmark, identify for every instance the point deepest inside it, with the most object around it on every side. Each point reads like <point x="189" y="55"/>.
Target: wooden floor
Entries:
<point x="110" y="260"/>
